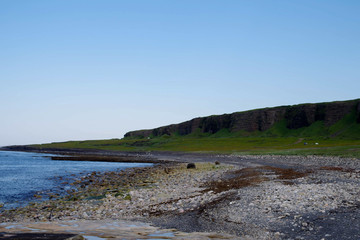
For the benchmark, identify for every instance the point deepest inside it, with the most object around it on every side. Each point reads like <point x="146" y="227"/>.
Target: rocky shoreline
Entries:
<point x="248" y="197"/>
<point x="128" y="194"/>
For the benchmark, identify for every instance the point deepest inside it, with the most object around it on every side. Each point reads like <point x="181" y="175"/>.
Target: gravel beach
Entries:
<point x="242" y="197"/>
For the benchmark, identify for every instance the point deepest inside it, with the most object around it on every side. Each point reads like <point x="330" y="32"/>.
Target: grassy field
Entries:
<point x="227" y="145"/>
<point x="340" y="139"/>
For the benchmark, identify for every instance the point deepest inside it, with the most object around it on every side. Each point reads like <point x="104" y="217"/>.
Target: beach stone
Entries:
<point x="190" y="165"/>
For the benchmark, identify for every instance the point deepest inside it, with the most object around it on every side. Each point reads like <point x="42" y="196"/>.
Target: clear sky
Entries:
<point x="95" y="69"/>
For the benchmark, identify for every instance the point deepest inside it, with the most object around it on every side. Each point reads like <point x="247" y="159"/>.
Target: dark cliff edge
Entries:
<point x="260" y="120"/>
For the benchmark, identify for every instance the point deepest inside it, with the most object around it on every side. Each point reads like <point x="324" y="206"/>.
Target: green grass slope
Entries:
<point x="340" y="139"/>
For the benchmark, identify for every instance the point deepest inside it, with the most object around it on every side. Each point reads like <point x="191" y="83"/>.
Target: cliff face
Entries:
<point x="296" y="116"/>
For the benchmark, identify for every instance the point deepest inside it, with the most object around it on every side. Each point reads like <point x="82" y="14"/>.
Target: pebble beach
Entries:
<point x="259" y="197"/>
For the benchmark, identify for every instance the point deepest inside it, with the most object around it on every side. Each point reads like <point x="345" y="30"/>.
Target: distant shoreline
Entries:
<point x="89" y="154"/>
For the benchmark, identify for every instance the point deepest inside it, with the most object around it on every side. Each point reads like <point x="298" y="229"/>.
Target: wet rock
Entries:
<point x="40" y="236"/>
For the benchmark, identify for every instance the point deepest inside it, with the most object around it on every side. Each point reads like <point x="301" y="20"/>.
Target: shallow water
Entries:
<point x="24" y="174"/>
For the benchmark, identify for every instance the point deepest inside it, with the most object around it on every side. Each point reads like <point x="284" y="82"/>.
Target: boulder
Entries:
<point x="190" y="165"/>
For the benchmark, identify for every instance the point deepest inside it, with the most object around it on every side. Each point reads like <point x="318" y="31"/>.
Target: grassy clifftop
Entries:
<point x="303" y="119"/>
<point x="302" y="130"/>
<point x="226" y="145"/>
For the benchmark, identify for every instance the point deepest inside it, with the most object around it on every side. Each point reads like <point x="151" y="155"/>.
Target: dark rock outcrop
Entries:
<point x="296" y="116"/>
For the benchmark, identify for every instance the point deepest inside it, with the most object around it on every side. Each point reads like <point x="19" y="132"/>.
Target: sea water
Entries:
<point x="23" y="175"/>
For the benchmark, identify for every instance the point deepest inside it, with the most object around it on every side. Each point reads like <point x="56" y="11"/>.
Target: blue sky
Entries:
<point x="95" y="69"/>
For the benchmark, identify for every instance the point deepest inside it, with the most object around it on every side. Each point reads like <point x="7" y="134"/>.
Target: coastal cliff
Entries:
<point x="260" y="120"/>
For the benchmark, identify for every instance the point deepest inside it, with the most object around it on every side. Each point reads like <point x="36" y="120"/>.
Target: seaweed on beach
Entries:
<point x="251" y="176"/>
